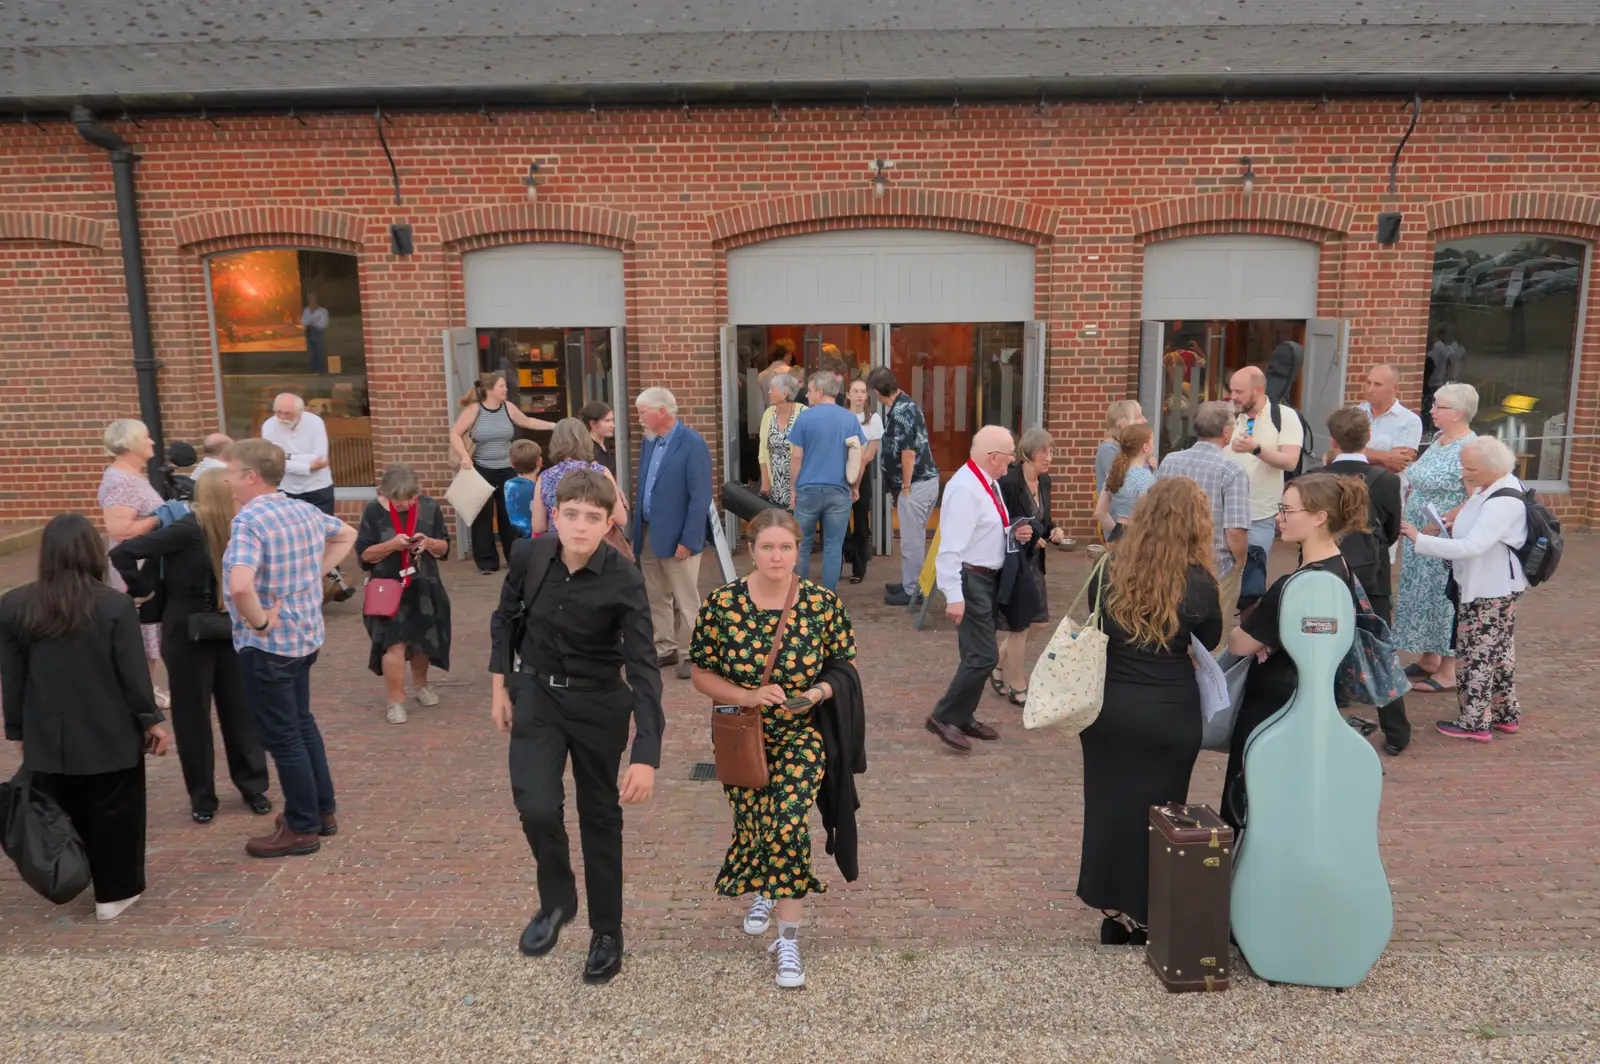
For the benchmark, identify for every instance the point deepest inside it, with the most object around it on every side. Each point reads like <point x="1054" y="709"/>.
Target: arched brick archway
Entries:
<point x="212" y="229"/>
<point x="481" y="227"/>
<point x="971" y="212"/>
<point x="51" y="228"/>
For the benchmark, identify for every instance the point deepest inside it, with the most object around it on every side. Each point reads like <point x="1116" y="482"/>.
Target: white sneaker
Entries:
<point x="427" y="697"/>
<point x="396" y="714"/>
<point x="110" y="910"/>
<point x="791" y="973"/>
<point x="759" y="918"/>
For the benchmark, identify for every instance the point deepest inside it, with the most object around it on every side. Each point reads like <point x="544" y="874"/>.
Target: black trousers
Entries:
<point x="548" y="725"/>
<point x="1392" y="717"/>
<point x="107" y="810"/>
<point x="493" y="521"/>
<point x="979" y="652"/>
<point x="322" y="499"/>
<point x="199" y="673"/>
<point x="858" y="545"/>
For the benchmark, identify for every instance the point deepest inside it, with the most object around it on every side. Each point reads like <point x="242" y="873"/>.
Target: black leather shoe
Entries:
<point x="203" y="816"/>
<point x="542" y="932"/>
<point x="259" y="804"/>
<point x="1393" y="750"/>
<point x="605" y="958"/>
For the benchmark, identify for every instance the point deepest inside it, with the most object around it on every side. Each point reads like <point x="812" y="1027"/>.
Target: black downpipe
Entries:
<point x="144" y="357"/>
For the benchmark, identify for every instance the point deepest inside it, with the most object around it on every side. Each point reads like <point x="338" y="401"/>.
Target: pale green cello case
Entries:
<point x="1310" y="899"/>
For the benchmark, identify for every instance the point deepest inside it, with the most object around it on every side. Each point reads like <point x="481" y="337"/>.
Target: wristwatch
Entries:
<point x="263" y="626"/>
<point x="1257" y="451"/>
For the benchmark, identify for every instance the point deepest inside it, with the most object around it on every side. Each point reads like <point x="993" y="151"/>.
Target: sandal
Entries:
<point x="1428" y="685"/>
<point x="1416" y="672"/>
<point x="999" y="685"/>
<point x="1018" y="696"/>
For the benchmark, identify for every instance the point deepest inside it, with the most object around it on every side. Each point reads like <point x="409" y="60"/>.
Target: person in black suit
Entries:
<point x="197" y="645"/>
<point x="1368" y="552"/>
<point x="79" y="704"/>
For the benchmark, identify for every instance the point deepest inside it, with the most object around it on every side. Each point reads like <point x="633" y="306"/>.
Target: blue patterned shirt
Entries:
<point x="1226" y="485"/>
<point x="905" y="429"/>
<point x="283" y="540"/>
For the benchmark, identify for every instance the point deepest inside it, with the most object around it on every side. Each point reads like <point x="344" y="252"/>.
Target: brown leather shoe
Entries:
<point x="328" y="827"/>
<point x="282" y="843"/>
<point x="979" y="730"/>
<point x="950" y="735"/>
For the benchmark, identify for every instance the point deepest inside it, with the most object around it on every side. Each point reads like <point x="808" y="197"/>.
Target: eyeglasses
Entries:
<point x="1285" y="511"/>
<point x="991" y="454"/>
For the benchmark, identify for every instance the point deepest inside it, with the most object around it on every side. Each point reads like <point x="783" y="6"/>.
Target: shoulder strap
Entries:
<point x="1098" y="570"/>
<point x="783" y="626"/>
<point x="1274" y="413"/>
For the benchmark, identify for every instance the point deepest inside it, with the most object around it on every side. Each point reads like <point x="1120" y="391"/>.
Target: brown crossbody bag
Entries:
<point x="736" y="735"/>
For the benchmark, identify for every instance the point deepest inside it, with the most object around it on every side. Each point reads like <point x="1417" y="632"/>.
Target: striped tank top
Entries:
<point x="492" y="433"/>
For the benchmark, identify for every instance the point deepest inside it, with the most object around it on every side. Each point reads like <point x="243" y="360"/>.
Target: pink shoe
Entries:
<point x="1507" y="726"/>
<point x="1455" y="731"/>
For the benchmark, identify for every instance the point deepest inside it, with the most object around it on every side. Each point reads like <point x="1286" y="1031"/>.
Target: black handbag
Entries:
<point x="208" y="624"/>
<point x="40" y="838"/>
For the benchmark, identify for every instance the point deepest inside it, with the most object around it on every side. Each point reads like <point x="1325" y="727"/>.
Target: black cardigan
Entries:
<point x="1014" y="493"/>
<point x="842" y="720"/>
<point x="79" y="705"/>
<point x="183" y="575"/>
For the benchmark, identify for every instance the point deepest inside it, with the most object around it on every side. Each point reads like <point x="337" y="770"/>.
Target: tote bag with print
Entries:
<point x="1069" y="679"/>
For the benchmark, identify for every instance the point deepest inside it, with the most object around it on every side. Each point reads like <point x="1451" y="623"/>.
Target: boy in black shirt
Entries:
<point x="574" y="612"/>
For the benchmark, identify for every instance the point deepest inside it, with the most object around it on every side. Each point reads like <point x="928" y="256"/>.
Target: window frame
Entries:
<point x="356" y="494"/>
<point x="1564" y="485"/>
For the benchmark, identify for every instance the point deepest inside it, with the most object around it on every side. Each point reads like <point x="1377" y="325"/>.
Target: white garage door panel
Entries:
<point x="880" y="275"/>
<point x="1249" y="277"/>
<point x="567" y="286"/>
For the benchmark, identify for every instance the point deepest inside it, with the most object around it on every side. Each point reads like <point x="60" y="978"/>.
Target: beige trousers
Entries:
<point x="674" y="590"/>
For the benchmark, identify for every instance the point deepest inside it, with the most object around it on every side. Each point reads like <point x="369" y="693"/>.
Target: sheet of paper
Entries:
<point x="1436" y="520"/>
<point x="1213" y="683"/>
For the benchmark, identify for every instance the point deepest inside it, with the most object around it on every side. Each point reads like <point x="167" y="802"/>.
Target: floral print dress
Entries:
<point x="1424" y="620"/>
<point x="118" y="487"/>
<point x="770" y="854"/>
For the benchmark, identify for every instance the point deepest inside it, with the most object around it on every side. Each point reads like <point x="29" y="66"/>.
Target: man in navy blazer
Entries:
<point x="670" y="516"/>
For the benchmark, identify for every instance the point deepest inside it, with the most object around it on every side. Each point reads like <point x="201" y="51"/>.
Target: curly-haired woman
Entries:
<point x="1159" y="589"/>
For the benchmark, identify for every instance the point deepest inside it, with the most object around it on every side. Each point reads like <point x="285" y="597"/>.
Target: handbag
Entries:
<point x="1371" y="673"/>
<point x="208" y="624"/>
<point x="1068" y="683"/>
<point x="381" y="595"/>
<point x="737" y="739"/>
<point x="468" y="493"/>
<point x="38" y="835"/>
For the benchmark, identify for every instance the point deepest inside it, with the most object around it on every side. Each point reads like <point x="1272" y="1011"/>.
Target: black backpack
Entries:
<point x="1273" y="409"/>
<point x="1540" y="553"/>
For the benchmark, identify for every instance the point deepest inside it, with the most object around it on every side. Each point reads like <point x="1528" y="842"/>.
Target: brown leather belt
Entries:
<point x="985" y="570"/>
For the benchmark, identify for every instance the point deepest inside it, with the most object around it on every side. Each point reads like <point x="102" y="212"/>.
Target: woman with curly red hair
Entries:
<point x="1159" y="588"/>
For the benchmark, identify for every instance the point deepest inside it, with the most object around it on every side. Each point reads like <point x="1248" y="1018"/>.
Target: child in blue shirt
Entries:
<point x="527" y="459"/>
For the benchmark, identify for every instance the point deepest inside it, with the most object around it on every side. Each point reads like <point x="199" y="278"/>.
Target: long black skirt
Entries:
<point x="422" y="623"/>
<point x="1139" y="752"/>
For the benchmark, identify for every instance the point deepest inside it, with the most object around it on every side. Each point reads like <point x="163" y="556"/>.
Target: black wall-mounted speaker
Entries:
<point x="400" y="239"/>
<point x="1389" y="227"/>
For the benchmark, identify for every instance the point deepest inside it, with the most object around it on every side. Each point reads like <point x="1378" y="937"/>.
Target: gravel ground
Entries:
<point x="1078" y="1005"/>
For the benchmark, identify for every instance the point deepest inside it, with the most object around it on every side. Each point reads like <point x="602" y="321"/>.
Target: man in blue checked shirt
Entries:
<point x="278" y="549"/>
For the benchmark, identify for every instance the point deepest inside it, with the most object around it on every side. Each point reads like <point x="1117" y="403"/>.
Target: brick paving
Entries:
<point x="1487" y="847"/>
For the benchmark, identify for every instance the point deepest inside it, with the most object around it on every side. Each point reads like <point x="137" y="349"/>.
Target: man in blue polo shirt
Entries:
<point x="819" y="445"/>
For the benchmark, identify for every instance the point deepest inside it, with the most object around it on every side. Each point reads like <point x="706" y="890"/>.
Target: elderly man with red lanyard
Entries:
<point x="973" y="532"/>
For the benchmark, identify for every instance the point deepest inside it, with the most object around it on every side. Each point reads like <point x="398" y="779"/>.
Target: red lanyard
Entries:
<point x="410" y="528"/>
<point x="1005" y="518"/>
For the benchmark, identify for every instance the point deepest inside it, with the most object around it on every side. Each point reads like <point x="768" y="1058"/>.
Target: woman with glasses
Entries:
<point x="1025" y="489"/>
<point x="1424" y="617"/>
<point x="1317" y="511"/>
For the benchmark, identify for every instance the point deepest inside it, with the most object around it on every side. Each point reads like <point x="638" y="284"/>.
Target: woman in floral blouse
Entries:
<point x="770" y="855"/>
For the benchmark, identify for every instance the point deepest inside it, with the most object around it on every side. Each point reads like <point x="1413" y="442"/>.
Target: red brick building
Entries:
<point x="1043" y="243"/>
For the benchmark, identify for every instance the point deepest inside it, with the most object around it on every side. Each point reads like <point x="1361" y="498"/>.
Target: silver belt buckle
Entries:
<point x="551" y="681"/>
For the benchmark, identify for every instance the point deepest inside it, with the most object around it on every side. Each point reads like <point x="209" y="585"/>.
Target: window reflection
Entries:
<point x="290" y="321"/>
<point x="1503" y="318"/>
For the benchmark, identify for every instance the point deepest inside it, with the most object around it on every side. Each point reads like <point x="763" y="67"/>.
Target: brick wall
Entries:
<point x="1089" y="184"/>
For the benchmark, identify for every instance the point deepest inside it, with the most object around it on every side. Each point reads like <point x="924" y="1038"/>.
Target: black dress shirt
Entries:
<point x="1368" y="552"/>
<point x="80" y="705"/>
<point x="590" y="624"/>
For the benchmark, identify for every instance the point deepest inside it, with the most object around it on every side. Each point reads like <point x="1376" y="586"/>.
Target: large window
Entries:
<point x="1504" y="319"/>
<point x="290" y="321"/>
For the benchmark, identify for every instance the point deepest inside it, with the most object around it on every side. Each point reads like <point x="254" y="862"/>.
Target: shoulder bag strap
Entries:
<point x="1098" y="570"/>
<point x="777" y="635"/>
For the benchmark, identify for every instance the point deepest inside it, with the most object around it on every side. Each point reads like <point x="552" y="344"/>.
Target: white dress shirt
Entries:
<point x="1395" y="427"/>
<point x="302" y="445"/>
<point x="971" y="531"/>
<point x="1481" y="543"/>
<point x="208" y="463"/>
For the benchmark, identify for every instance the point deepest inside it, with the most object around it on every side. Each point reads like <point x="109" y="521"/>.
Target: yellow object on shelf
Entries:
<point x="1519" y="404"/>
<point x="525" y="378"/>
<point x="549" y="378"/>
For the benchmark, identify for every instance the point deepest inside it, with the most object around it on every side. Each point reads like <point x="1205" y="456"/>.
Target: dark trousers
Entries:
<point x="279" y="692"/>
<point x="198" y="673"/>
<point x="1392" y="717"/>
<point x="493" y="521"/>
<point x="548" y="724"/>
<point x="858" y="547"/>
<point x="107" y="811"/>
<point x="322" y="499"/>
<point x="976" y="641"/>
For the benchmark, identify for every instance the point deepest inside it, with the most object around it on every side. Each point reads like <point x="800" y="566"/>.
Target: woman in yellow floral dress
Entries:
<point x="770" y="855"/>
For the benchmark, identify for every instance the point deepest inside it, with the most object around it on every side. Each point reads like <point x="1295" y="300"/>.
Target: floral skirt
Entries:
<point x="1486" y="670"/>
<point x="770" y="854"/>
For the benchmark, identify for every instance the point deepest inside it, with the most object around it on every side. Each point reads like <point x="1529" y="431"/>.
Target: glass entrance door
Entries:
<point x="964" y="376"/>
<point x="1197" y="360"/>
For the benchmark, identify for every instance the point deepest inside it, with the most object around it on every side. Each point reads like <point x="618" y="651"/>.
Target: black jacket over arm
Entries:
<point x="79" y="705"/>
<point x="1368" y="552"/>
<point x="1014" y="493"/>
<point x="842" y="720"/>
<point x="184" y="574"/>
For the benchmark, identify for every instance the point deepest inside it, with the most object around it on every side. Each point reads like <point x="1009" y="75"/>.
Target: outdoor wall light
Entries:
<point x="878" y="170"/>
<point x="532" y="182"/>
<point x="1248" y="178"/>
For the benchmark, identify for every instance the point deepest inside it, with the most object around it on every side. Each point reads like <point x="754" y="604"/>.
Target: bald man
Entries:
<point x="974" y="528"/>
<point x="1267" y="444"/>
<point x="211" y="453"/>
<point x="1396" y="431"/>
